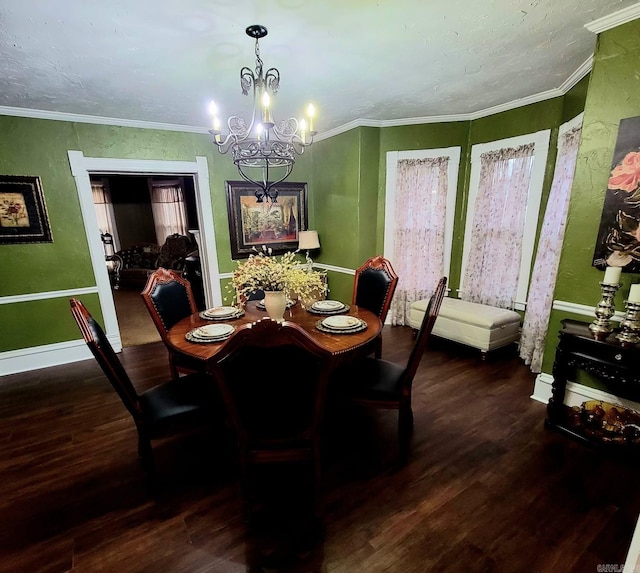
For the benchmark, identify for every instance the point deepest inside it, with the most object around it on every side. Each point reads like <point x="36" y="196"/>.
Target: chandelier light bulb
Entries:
<point x="311" y="111"/>
<point x="266" y="102"/>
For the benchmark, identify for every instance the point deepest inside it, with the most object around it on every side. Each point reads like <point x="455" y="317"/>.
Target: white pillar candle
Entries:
<point x="612" y="275"/>
<point x="634" y="293"/>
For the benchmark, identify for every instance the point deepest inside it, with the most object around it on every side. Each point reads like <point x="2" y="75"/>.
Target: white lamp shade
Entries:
<point x="308" y="240"/>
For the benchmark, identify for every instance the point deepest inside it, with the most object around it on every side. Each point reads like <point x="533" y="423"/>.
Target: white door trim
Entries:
<point x="82" y="167"/>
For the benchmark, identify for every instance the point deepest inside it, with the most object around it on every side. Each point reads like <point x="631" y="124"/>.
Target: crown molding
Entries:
<point x="571" y="81"/>
<point x="96" y="119"/>
<point x="576" y="76"/>
<point x="616" y="19"/>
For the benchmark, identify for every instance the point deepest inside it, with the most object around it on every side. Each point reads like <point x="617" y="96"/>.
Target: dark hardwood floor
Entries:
<point x="488" y="488"/>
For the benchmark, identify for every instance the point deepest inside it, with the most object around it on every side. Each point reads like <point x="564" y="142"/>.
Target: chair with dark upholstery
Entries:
<point x="273" y="379"/>
<point x="383" y="384"/>
<point x="169" y="299"/>
<point x="373" y="287"/>
<point x="167" y="409"/>
<point x="174" y="252"/>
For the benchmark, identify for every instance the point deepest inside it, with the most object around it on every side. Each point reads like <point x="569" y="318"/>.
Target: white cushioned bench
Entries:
<point x="477" y="325"/>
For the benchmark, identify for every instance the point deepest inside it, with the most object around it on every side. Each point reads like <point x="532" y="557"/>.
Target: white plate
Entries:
<point x="341" y="322"/>
<point x="213" y="330"/>
<point x="220" y="311"/>
<point x="327" y="305"/>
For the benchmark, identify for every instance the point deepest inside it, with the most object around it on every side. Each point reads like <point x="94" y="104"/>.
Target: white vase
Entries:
<point x="275" y="303"/>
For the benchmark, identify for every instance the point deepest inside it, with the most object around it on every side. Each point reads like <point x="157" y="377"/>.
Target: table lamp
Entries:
<point x="307" y="241"/>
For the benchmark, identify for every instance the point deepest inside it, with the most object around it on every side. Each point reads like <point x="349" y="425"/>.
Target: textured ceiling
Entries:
<point x="163" y="60"/>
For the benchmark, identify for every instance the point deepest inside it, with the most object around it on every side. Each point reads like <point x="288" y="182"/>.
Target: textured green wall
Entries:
<point x="574" y="100"/>
<point x="346" y="176"/>
<point x="613" y="94"/>
<point x="344" y="202"/>
<point x="39" y="147"/>
<point x="336" y="182"/>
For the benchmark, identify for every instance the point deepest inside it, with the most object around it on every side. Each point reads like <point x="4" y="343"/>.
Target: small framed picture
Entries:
<point x="23" y="213"/>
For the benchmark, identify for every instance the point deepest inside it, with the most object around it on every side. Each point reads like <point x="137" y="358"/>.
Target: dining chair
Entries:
<point x="387" y="385"/>
<point x="169" y="298"/>
<point x="373" y="288"/>
<point x="167" y="409"/>
<point x="273" y="379"/>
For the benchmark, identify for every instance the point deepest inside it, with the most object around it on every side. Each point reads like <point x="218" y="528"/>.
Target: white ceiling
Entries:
<point x="163" y="60"/>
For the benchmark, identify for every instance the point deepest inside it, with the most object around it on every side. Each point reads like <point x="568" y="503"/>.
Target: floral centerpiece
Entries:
<point x="263" y="271"/>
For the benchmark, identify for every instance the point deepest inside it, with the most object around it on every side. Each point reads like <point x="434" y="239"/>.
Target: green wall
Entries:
<point x="346" y="177"/>
<point x="39" y="147"/>
<point x="613" y="94"/>
<point x="342" y="194"/>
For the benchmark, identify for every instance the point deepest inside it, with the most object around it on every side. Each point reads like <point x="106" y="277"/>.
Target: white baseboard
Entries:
<point x="36" y="357"/>
<point x="576" y="394"/>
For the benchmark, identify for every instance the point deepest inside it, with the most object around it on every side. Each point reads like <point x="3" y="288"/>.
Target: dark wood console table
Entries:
<point x="615" y="365"/>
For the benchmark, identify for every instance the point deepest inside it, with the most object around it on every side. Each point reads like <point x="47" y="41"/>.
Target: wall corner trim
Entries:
<point x="613" y="20"/>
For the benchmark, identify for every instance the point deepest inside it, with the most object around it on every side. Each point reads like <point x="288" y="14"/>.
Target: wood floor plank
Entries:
<point x="487" y="487"/>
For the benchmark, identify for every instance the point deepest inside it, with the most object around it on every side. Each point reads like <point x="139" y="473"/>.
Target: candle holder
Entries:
<point x="601" y="326"/>
<point x="630" y="333"/>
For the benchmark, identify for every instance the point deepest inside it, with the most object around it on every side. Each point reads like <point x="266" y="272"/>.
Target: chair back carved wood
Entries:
<point x="273" y="378"/>
<point x="374" y="284"/>
<point x="169" y="298"/>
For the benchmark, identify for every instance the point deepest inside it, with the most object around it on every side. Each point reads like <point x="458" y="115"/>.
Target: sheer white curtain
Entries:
<point x="419" y="232"/>
<point x="545" y="269"/>
<point x="104" y="211"/>
<point x="169" y="209"/>
<point x="493" y="263"/>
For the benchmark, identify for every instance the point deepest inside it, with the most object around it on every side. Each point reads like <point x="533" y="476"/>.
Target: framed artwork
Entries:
<point x="23" y="213"/>
<point x="275" y="225"/>
<point x="618" y="242"/>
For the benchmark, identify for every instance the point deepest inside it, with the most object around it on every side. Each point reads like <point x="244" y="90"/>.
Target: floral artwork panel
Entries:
<point x="13" y="210"/>
<point x="23" y="213"/>
<point x="274" y="225"/>
<point x="618" y="242"/>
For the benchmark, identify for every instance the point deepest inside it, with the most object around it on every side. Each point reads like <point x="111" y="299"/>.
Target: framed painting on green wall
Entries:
<point x="618" y="242"/>
<point x="23" y="213"/>
<point x="273" y="224"/>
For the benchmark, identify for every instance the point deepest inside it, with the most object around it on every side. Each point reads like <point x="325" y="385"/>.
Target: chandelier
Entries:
<point x="264" y="151"/>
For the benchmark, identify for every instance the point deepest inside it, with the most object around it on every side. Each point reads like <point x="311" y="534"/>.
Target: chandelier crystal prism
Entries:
<point x="264" y="151"/>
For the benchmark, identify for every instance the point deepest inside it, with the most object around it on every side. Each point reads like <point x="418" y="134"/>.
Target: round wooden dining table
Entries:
<point x="341" y="346"/>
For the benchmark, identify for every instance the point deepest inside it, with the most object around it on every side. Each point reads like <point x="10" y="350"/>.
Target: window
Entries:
<point x="169" y="209"/>
<point x="502" y="216"/>
<point x="104" y="213"/>
<point x="419" y="215"/>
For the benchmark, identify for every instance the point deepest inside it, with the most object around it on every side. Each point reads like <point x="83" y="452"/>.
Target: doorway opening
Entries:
<point x="145" y="222"/>
<point x="197" y="171"/>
